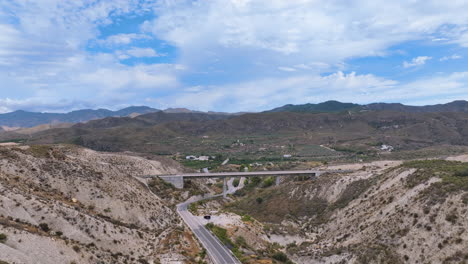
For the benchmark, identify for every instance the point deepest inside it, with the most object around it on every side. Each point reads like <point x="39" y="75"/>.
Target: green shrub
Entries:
<point x="268" y="182"/>
<point x="240" y="241"/>
<point x="76" y="248"/>
<point x="222" y="235"/>
<point x="254" y="181"/>
<point x="280" y="256"/>
<point x="44" y="227"/>
<point x="246" y="218"/>
<point x="461" y="172"/>
<point x="193" y="208"/>
<point x="3" y="238"/>
<point x="236" y="182"/>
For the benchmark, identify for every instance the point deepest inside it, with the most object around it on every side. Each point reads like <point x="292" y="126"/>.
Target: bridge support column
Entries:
<point x="278" y="180"/>
<point x="225" y="187"/>
<point x="177" y="181"/>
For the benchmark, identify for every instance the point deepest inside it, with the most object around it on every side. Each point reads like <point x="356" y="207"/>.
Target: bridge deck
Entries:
<point x="244" y="174"/>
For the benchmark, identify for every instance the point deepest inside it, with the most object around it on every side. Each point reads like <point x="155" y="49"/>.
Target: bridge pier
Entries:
<point x="278" y="180"/>
<point x="225" y="187"/>
<point x="177" y="181"/>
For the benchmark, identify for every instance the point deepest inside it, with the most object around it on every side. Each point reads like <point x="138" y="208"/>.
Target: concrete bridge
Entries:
<point x="178" y="179"/>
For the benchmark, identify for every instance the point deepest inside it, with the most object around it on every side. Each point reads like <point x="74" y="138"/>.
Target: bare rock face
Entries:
<point x="63" y="204"/>
<point x="384" y="212"/>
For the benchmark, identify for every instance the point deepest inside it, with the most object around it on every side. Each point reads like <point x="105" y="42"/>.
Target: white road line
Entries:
<point x="220" y="244"/>
<point x="207" y="242"/>
<point x="208" y="245"/>
<point x="214" y="249"/>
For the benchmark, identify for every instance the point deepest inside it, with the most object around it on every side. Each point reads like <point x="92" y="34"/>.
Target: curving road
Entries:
<point x="218" y="253"/>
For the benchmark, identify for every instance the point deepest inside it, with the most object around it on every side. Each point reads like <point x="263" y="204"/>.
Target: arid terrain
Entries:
<point x="74" y="205"/>
<point x="66" y="204"/>
<point x="383" y="212"/>
<point x="398" y="193"/>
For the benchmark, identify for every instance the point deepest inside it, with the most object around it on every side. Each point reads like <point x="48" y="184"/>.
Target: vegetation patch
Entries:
<point x="167" y="191"/>
<point x="3" y="238"/>
<point x="247" y="218"/>
<point x="376" y="253"/>
<point x="40" y="151"/>
<point x="15" y="140"/>
<point x="352" y="191"/>
<point x="281" y="257"/>
<point x="454" y="175"/>
<point x="200" y="164"/>
<point x="236" y="182"/>
<point x="274" y="204"/>
<point x="221" y="234"/>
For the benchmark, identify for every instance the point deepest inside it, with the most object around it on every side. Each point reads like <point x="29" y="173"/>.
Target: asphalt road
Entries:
<point x="218" y="253"/>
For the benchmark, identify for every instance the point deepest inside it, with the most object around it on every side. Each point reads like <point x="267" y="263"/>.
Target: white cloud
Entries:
<point x="287" y="69"/>
<point x="39" y="104"/>
<point x="283" y="32"/>
<point x="270" y="92"/>
<point x="44" y="57"/>
<point x="143" y="52"/>
<point x="418" y="61"/>
<point x="137" y="53"/>
<point x="264" y="94"/>
<point x="452" y="57"/>
<point x="122" y="39"/>
<point x="99" y="80"/>
<point x="44" y="64"/>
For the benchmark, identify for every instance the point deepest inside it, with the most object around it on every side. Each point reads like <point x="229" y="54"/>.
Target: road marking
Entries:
<point x="227" y="251"/>
<point x="212" y="248"/>
<point x="208" y="244"/>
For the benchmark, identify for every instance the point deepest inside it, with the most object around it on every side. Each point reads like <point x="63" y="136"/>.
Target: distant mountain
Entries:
<point x="22" y="118"/>
<point x="179" y="110"/>
<point x="335" y="106"/>
<point x="325" y="107"/>
<point x="148" y="120"/>
<point x="204" y="133"/>
<point x="185" y="110"/>
<point x="455" y="106"/>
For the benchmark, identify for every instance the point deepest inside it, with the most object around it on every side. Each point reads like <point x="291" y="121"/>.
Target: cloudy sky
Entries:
<point x="230" y="55"/>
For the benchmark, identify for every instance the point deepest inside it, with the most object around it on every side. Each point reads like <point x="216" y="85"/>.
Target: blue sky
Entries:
<point x="230" y="55"/>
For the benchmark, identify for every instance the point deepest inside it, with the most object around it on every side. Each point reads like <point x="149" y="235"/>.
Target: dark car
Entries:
<point x="207" y="217"/>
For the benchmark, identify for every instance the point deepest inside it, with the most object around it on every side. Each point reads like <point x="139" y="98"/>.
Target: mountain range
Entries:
<point x="335" y="106"/>
<point x="260" y="134"/>
<point x="25" y="119"/>
<point x="22" y="118"/>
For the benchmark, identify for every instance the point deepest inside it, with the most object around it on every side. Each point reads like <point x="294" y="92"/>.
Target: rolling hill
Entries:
<point x="22" y="118"/>
<point x="325" y="107"/>
<point x="335" y="106"/>
<point x="262" y="134"/>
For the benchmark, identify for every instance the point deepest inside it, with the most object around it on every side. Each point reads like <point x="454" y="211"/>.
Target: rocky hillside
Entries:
<point x="384" y="212"/>
<point x="64" y="204"/>
<point x="260" y="134"/>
